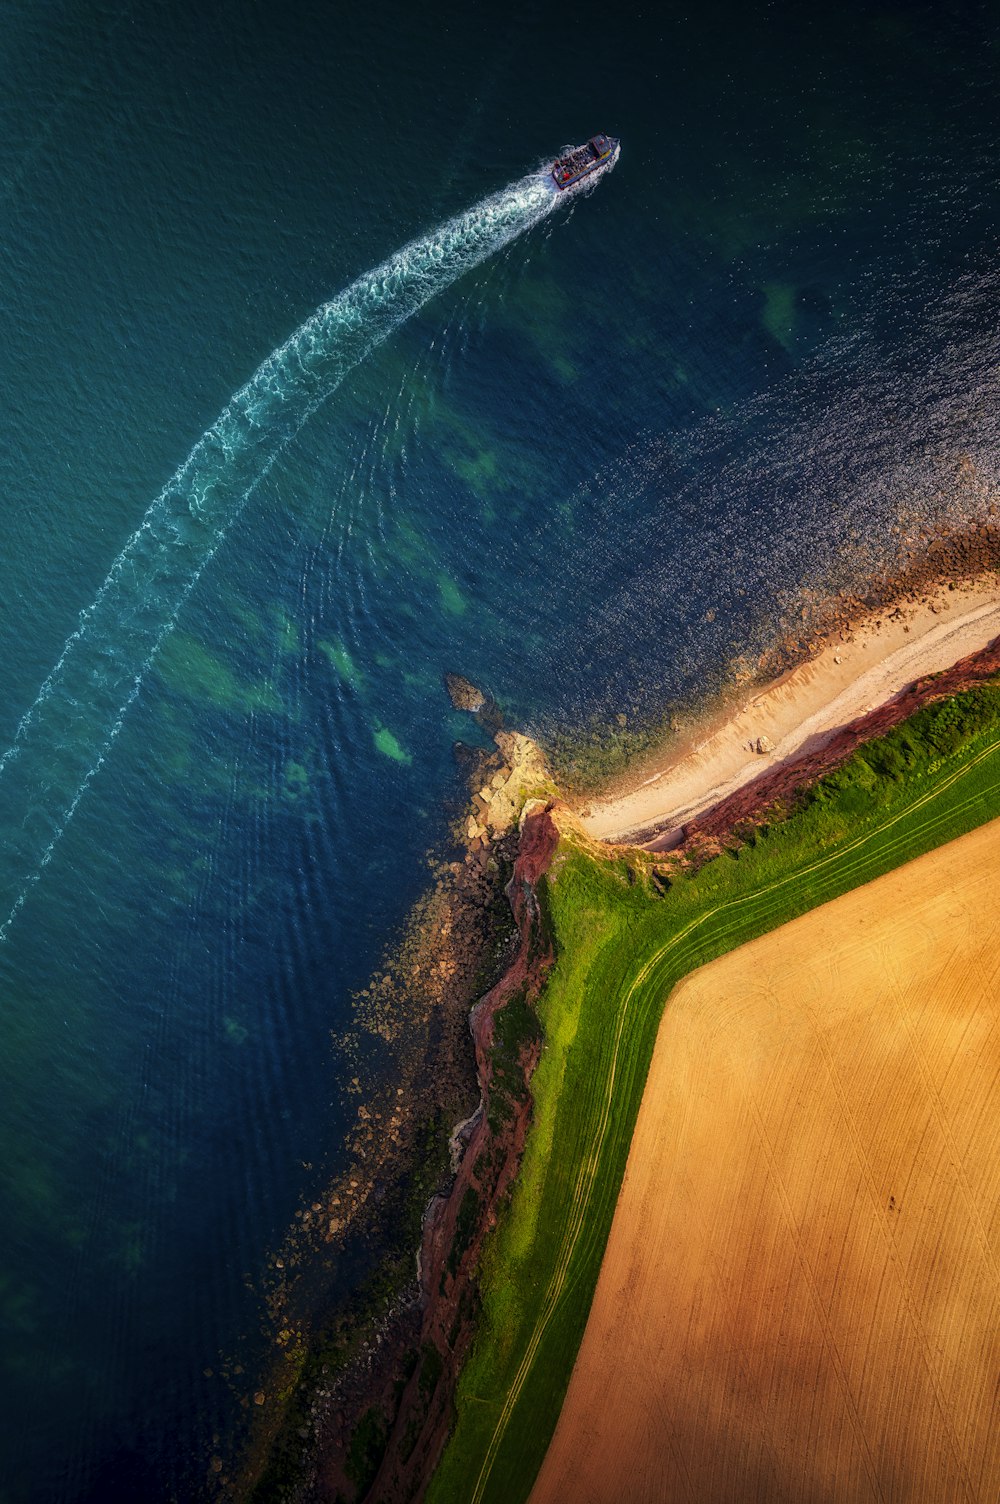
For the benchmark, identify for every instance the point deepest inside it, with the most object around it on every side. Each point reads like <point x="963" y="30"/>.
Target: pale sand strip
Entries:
<point x="844" y="681"/>
<point x="800" y="1298"/>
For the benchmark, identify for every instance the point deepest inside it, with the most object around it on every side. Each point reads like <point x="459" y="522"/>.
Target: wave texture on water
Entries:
<point x="65" y="734"/>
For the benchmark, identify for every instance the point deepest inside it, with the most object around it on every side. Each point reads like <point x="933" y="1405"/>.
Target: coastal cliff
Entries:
<point x="488" y="1150"/>
<point x="360" y="1403"/>
<point x="381" y="1438"/>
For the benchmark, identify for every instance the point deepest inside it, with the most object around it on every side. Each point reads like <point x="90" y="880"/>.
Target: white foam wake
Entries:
<point x="65" y="735"/>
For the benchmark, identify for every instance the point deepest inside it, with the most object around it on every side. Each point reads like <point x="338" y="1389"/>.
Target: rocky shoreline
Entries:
<point x="389" y="1416"/>
<point x="929" y="558"/>
<point x="457" y="1221"/>
<point x="357" y="1404"/>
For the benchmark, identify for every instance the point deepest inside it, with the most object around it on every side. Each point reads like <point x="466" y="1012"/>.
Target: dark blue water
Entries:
<point x="587" y="472"/>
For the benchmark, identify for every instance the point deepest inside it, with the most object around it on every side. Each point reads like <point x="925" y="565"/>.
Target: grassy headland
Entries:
<point x="624" y="936"/>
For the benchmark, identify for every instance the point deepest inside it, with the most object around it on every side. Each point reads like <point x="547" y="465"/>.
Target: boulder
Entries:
<point x="463" y="694"/>
<point x="763" y="745"/>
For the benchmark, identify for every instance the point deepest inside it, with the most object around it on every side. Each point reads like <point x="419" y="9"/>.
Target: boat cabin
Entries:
<point x="581" y="160"/>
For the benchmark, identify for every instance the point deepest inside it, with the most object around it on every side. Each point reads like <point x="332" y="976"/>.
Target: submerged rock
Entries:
<point x="468" y="758"/>
<point x="463" y="694"/>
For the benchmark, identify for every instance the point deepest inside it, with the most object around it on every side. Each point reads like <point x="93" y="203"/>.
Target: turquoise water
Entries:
<point x="583" y="472"/>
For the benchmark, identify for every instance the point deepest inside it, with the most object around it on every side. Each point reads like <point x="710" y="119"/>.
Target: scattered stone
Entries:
<point x="763" y="745"/>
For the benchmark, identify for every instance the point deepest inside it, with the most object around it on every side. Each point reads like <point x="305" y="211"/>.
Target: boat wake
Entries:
<point x="66" y="733"/>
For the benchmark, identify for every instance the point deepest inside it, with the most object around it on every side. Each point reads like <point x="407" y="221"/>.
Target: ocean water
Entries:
<point x="596" y="462"/>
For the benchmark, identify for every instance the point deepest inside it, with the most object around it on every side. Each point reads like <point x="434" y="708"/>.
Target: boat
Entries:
<point x="600" y="151"/>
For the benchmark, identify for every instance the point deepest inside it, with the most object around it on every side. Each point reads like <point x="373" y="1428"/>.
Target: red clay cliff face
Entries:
<point x="413" y="1394"/>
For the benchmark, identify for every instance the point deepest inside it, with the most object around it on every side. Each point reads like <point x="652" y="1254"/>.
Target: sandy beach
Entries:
<point x="877" y="659"/>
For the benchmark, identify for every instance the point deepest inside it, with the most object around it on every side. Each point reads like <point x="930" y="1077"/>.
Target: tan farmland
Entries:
<point x="800" y="1299"/>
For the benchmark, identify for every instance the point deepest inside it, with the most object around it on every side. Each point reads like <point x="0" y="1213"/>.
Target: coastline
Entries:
<point x="858" y="670"/>
<point x="376" y="1427"/>
<point x="628" y="926"/>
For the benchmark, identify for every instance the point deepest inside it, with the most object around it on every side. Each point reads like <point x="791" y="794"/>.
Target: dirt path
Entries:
<point x="801" y="1293"/>
<point x="802" y="709"/>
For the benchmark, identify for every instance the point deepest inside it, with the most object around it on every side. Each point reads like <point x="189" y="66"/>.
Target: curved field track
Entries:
<point x="800" y="1298"/>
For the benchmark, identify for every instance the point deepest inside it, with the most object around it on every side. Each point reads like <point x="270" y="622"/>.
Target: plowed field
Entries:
<point x="800" y="1298"/>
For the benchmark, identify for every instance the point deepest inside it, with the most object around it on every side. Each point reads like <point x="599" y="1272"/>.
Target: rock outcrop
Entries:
<point x="463" y="694"/>
<point x="497" y="802"/>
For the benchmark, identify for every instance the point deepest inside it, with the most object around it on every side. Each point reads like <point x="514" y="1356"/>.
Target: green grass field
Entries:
<point x="621" y="948"/>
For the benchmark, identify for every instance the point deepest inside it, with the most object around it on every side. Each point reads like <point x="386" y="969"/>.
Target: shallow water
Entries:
<point x="758" y="343"/>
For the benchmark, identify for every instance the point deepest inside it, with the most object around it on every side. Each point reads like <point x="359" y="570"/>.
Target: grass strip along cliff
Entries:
<point x="626" y="926"/>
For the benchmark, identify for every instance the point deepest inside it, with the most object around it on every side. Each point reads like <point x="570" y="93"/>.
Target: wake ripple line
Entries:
<point x="64" y="736"/>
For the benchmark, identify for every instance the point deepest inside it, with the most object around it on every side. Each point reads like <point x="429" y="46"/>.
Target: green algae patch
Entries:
<point x="251" y="624"/>
<point x="289" y="635"/>
<point x="565" y="369"/>
<point x="295" y="780"/>
<point x="478" y="468"/>
<point x="779" y="314"/>
<point x="623" y="941"/>
<point x="342" y="663"/>
<point x="390" y="746"/>
<point x="451" y="597"/>
<point x="188" y="668"/>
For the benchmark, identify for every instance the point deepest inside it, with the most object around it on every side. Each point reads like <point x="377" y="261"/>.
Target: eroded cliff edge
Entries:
<point x="358" y="1402"/>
